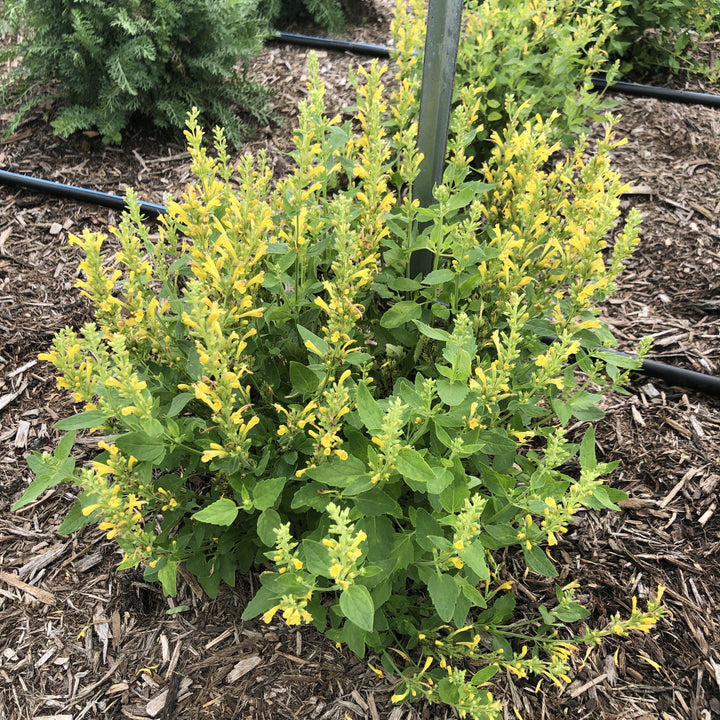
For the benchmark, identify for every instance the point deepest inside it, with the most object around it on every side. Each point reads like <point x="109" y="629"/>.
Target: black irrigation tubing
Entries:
<point x="672" y="375"/>
<point x="623" y="88"/>
<point x="76" y="193"/>
<point x="659" y="93"/>
<point x="332" y="44"/>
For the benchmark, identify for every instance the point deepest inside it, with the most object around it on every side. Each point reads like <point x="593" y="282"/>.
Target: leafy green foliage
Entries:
<point x="539" y="56"/>
<point x="115" y="61"/>
<point x="660" y="34"/>
<point x="328" y="13"/>
<point x="274" y="387"/>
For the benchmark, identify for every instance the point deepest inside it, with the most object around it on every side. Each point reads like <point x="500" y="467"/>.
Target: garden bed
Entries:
<point x="80" y="640"/>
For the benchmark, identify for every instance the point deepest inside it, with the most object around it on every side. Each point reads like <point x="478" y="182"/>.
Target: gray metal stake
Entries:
<point x="441" y="48"/>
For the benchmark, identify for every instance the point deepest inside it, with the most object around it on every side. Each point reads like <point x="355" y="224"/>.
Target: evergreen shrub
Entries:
<point x="269" y="386"/>
<point x="110" y="61"/>
<point x="328" y="13"/>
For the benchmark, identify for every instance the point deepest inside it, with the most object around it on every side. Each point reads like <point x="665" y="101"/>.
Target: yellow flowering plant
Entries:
<point x="541" y="53"/>
<point x="269" y="386"/>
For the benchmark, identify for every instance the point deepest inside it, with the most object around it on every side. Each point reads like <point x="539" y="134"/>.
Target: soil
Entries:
<point x="80" y="640"/>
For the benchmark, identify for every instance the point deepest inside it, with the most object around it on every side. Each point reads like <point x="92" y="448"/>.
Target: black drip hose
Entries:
<point x="672" y="375"/>
<point x="332" y="44"/>
<point x="659" y="93"/>
<point x="599" y="84"/>
<point x="76" y="193"/>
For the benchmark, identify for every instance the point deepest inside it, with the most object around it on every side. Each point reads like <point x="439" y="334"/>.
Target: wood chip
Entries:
<point x="41" y="561"/>
<point x="707" y="514"/>
<point x="21" y="369"/>
<point x="6" y="399"/>
<point x="590" y="684"/>
<point x="117" y="688"/>
<point x="157" y="704"/>
<point x="243" y="667"/>
<point x="42" y="595"/>
<point x="21" y="435"/>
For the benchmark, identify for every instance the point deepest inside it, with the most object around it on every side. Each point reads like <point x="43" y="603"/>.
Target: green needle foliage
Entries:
<point x="111" y="61"/>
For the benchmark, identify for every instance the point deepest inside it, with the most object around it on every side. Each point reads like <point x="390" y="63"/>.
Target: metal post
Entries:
<point x="441" y="48"/>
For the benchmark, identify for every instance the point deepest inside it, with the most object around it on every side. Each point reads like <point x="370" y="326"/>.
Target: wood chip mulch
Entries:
<point x="80" y="640"/>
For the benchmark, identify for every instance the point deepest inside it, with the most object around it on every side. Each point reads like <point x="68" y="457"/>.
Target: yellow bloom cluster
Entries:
<point x="293" y="610"/>
<point x="344" y="551"/>
<point x="120" y="510"/>
<point x="466" y="527"/>
<point x="382" y="461"/>
<point x="353" y="269"/>
<point x="99" y="282"/>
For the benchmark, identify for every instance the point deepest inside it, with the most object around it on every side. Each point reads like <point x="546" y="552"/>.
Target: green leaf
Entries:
<point x="304" y="380"/>
<point x="354" y="638"/>
<point x="357" y="606"/>
<point x="74" y="520"/>
<point x="87" y="419"/>
<point x="426" y="526"/>
<point x="377" y="502"/>
<point x="178" y="404"/>
<point x="310" y="496"/>
<point x="267" y="491"/>
<point x="268" y="521"/>
<point x="311" y="339"/>
<point x="443" y="478"/>
<point x="433" y="333"/>
<point x="504" y="535"/>
<point x="221" y="512"/>
<point x="368" y="408"/>
<point x="337" y="472"/>
<point x="264" y="599"/>
<point x="400" y="313"/>
<point x="65" y="446"/>
<point x="485" y="675"/>
<point x="453" y="497"/>
<point x="474" y="558"/>
<point x="167" y="575"/>
<point x="562" y="410"/>
<point x="452" y="393"/>
<point x="570" y="612"/>
<point x="538" y="561"/>
<point x="438" y="277"/>
<point x="587" y="450"/>
<point x="37" y="487"/>
<point x="177" y="609"/>
<point x="317" y="557"/>
<point x="141" y="446"/>
<point x="444" y="594"/>
<point x="49" y="471"/>
<point x="618" y="360"/>
<point x="412" y="466"/>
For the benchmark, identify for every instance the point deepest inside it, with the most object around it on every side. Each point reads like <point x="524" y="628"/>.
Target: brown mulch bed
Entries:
<point x="80" y="640"/>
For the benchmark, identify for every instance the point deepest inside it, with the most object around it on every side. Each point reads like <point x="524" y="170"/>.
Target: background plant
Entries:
<point x="331" y="14"/>
<point x="110" y="62"/>
<point x="269" y="385"/>
<point x="539" y="54"/>
<point x="663" y="34"/>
